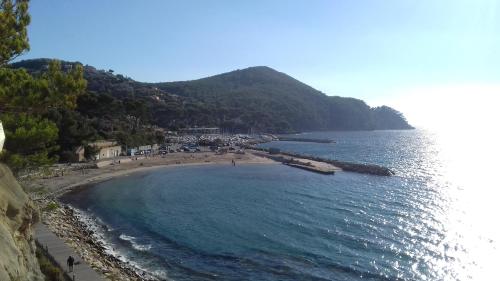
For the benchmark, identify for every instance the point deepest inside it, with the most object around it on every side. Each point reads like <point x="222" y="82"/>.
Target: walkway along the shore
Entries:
<point x="60" y="252"/>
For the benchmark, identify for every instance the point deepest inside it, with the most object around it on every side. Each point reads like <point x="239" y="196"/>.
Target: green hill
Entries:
<point x="264" y="99"/>
<point x="259" y="99"/>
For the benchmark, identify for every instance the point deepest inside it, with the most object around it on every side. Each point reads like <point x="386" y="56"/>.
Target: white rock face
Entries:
<point x="2" y="136"/>
<point x="17" y="246"/>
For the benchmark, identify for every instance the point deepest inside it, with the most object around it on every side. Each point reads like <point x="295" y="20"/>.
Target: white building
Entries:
<point x="106" y="149"/>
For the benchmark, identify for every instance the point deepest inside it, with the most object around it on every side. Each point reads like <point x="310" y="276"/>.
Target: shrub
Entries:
<point x="51" y="206"/>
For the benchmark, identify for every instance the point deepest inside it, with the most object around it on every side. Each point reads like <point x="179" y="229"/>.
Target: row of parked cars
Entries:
<point x="190" y="148"/>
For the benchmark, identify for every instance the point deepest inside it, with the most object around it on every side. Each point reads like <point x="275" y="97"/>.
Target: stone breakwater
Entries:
<point x="66" y="223"/>
<point x="360" y="168"/>
<point x="344" y="165"/>
<point x="305" y="140"/>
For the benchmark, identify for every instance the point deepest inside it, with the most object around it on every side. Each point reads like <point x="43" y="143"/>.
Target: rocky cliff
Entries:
<point x="17" y="244"/>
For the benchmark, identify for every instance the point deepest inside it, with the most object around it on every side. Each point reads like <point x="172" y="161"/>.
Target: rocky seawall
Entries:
<point x="305" y="140"/>
<point x="17" y="216"/>
<point x="361" y="168"/>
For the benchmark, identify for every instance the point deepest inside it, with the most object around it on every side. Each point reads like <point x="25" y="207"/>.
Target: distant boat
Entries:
<point x="2" y="136"/>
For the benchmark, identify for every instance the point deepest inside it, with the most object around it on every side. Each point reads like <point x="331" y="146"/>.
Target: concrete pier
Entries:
<point x="300" y="163"/>
<point x="317" y="162"/>
<point x="312" y="169"/>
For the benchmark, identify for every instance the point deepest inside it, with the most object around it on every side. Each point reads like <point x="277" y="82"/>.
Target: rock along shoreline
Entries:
<point x="70" y="225"/>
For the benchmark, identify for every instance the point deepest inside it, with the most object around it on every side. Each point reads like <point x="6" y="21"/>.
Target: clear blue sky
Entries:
<point x="373" y="50"/>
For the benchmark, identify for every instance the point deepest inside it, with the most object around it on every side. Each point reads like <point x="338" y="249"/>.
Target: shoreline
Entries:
<point x="57" y="186"/>
<point x="81" y="231"/>
<point x="76" y="187"/>
<point x="69" y="224"/>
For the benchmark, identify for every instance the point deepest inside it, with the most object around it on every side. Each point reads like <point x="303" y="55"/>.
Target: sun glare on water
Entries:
<point x="464" y="121"/>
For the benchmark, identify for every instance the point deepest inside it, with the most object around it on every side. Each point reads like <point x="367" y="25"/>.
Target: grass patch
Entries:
<point x="52" y="206"/>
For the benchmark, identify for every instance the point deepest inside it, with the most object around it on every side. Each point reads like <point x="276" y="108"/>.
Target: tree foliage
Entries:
<point x="264" y="100"/>
<point x="30" y="141"/>
<point x="27" y="100"/>
<point x="28" y="104"/>
<point x="125" y="120"/>
<point x="21" y="91"/>
<point x="14" y="19"/>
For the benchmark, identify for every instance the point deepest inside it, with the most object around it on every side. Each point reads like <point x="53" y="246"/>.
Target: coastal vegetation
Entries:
<point x="48" y="113"/>
<point x="28" y="104"/>
<point x="264" y="100"/>
<point x="256" y="99"/>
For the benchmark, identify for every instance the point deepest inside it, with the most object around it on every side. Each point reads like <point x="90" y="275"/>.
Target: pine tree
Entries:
<point x="14" y="19"/>
<point x="25" y="100"/>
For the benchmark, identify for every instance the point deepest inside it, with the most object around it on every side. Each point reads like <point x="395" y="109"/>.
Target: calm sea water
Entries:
<point x="432" y="221"/>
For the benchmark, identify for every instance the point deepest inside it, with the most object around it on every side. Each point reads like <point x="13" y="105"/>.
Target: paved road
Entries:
<point x="60" y="251"/>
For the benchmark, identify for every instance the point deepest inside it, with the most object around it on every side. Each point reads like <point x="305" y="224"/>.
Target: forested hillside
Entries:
<point x="259" y="99"/>
<point x="48" y="111"/>
<point x="265" y="100"/>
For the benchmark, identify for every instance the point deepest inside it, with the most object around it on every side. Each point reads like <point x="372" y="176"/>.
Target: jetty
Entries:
<point x="312" y="168"/>
<point x="299" y="162"/>
<point x="305" y="140"/>
<point x="320" y="165"/>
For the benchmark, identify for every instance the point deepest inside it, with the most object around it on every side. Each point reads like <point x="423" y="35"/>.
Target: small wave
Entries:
<point x="126" y="237"/>
<point x="135" y="245"/>
<point x="161" y="274"/>
<point x="98" y="233"/>
<point x="140" y="247"/>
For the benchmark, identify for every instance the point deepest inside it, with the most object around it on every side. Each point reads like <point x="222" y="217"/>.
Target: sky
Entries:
<point x="419" y="56"/>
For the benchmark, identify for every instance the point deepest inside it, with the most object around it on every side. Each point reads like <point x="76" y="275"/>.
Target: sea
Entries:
<point x="435" y="219"/>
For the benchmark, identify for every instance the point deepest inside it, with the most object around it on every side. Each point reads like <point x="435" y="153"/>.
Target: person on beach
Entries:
<point x="70" y="262"/>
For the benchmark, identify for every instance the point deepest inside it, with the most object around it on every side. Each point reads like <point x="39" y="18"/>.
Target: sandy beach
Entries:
<point x="69" y="225"/>
<point x="55" y="186"/>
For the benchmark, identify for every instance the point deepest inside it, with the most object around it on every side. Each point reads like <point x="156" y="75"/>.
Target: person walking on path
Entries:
<point x="70" y="263"/>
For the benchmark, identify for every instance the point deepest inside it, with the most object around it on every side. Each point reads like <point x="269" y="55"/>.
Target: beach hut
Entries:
<point x="2" y="136"/>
